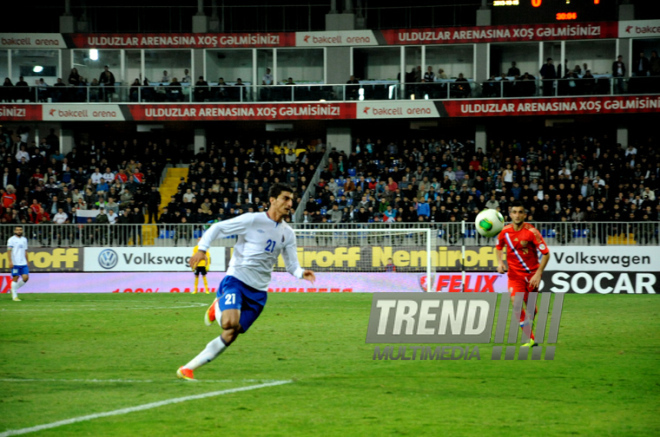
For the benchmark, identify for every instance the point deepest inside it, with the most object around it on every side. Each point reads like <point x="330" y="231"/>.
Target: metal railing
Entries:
<point x="311" y="187"/>
<point x="317" y="92"/>
<point x="312" y="234"/>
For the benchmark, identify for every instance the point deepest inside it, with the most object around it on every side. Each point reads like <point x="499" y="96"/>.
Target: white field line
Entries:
<point x="103" y="308"/>
<point x="128" y="381"/>
<point x="143" y="407"/>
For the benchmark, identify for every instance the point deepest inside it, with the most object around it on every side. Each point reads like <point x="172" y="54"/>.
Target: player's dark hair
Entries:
<point x="519" y="204"/>
<point x="276" y="189"/>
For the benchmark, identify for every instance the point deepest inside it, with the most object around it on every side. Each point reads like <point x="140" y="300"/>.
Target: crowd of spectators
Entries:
<point x="120" y="180"/>
<point x="76" y="88"/>
<point x="576" y="180"/>
<point x="589" y="179"/>
<point x="41" y="185"/>
<point x="232" y="178"/>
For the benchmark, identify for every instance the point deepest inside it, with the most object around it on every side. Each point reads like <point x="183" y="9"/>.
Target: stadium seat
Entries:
<point x="352" y="172"/>
<point x="580" y="233"/>
<point x="166" y="234"/>
<point x="548" y="233"/>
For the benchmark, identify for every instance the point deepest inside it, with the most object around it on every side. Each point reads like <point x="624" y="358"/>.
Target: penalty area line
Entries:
<point x="143" y="407"/>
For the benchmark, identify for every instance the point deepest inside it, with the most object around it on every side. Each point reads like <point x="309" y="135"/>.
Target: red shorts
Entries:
<point x="520" y="285"/>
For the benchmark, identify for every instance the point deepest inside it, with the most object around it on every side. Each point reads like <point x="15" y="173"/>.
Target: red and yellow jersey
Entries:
<point x="522" y="249"/>
<point x="205" y="262"/>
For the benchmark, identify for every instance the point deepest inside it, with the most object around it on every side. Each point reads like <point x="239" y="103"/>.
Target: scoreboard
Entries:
<point x="552" y="11"/>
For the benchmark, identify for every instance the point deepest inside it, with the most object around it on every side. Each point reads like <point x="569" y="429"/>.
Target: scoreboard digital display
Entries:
<point x="552" y="11"/>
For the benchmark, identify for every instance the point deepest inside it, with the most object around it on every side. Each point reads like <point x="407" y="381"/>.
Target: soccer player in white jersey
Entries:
<point x="242" y="294"/>
<point x="18" y="261"/>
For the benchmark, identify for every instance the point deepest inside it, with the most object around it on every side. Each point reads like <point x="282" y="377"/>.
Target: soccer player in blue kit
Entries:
<point x="242" y="294"/>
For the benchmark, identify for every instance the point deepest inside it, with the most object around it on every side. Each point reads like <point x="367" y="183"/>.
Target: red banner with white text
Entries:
<point x="18" y="112"/>
<point x="244" y="112"/>
<point x="510" y="33"/>
<point x="181" y="40"/>
<point x="551" y="106"/>
<point x="400" y="109"/>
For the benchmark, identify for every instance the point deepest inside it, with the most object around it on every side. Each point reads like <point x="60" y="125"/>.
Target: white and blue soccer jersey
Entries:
<point x="260" y="242"/>
<point x="18" y="247"/>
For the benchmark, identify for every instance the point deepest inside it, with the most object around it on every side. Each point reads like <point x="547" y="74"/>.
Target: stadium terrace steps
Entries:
<point x="169" y="185"/>
<point x="622" y="239"/>
<point x="167" y="190"/>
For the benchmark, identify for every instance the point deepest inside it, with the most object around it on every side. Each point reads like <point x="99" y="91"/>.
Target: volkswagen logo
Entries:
<point x="108" y="259"/>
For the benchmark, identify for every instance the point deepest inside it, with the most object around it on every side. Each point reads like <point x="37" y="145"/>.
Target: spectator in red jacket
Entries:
<point x="9" y="197"/>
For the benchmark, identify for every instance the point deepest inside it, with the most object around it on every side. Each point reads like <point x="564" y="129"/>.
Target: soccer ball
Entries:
<point x="489" y="223"/>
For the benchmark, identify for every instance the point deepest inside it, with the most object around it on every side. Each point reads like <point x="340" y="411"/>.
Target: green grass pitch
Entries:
<point x="59" y="355"/>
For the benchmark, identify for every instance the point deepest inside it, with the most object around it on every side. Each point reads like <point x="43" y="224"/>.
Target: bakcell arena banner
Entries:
<point x="372" y="110"/>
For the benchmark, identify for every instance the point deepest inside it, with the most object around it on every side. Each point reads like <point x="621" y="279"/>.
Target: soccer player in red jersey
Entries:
<point x="522" y="241"/>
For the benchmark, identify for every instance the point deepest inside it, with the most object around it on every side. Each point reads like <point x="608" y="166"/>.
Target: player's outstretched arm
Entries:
<point x="290" y="256"/>
<point x="236" y="226"/>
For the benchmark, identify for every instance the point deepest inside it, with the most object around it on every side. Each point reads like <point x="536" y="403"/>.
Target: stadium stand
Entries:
<point x="120" y="181"/>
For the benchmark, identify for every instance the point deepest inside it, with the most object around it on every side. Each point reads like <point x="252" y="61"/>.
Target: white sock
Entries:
<point x="20" y="283"/>
<point x="14" y="287"/>
<point x="210" y="353"/>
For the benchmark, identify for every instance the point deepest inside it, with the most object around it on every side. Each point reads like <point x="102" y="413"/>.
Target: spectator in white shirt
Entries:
<point x="650" y="193"/>
<point x="112" y="217"/>
<point x="61" y="217"/>
<point x="189" y="196"/>
<point x="267" y="78"/>
<point x="186" y="76"/>
<point x="22" y="154"/>
<point x="109" y="176"/>
<point x="97" y="176"/>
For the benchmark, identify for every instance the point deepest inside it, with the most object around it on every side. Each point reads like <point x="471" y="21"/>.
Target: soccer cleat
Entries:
<point x="208" y="291"/>
<point x="184" y="373"/>
<point x="209" y="316"/>
<point x="531" y="343"/>
<point x="194" y="291"/>
<point x="16" y="299"/>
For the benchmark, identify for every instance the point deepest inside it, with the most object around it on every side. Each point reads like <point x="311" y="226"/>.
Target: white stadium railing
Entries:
<point x="443" y="234"/>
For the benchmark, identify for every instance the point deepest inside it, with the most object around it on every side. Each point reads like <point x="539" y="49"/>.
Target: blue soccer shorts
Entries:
<point x="234" y="294"/>
<point x="19" y="271"/>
